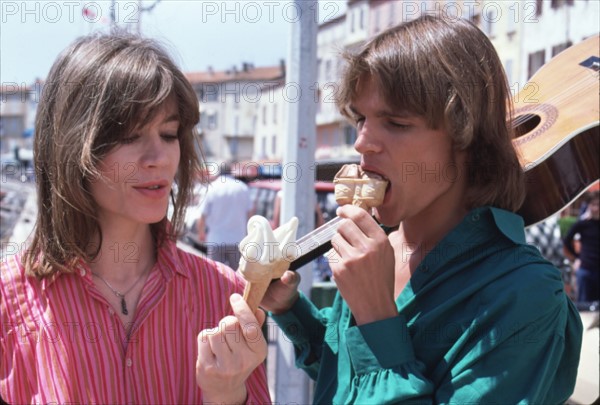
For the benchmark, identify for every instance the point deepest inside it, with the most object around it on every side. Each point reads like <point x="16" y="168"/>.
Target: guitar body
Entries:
<point x="556" y="119"/>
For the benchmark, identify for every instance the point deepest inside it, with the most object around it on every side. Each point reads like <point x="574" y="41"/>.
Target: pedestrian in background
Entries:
<point x="103" y="307"/>
<point x="224" y="217"/>
<point x="586" y="259"/>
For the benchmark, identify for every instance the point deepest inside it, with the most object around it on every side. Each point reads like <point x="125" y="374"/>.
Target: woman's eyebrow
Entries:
<point x="172" y="117"/>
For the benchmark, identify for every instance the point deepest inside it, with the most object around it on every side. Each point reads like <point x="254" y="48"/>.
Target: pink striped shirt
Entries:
<point x="62" y="342"/>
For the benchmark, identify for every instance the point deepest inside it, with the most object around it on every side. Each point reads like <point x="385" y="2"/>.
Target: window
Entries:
<point x="536" y="61"/>
<point x="233" y="147"/>
<point x="349" y="135"/>
<point x="12" y="126"/>
<point x="210" y="92"/>
<point x="274" y="144"/>
<point x="274" y="113"/>
<point x="212" y="120"/>
<point x="561" y="47"/>
<point x="319" y="67"/>
<point x="362" y="19"/>
<point x="263" y="146"/>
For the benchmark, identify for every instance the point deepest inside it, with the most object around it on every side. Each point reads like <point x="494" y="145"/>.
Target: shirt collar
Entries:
<point x="168" y="260"/>
<point x="479" y="227"/>
<point x="510" y="224"/>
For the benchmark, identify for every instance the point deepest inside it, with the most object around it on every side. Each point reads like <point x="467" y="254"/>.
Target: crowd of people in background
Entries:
<point x="570" y="241"/>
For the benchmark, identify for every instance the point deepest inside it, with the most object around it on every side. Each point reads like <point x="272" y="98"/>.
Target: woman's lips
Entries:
<point x="154" y="190"/>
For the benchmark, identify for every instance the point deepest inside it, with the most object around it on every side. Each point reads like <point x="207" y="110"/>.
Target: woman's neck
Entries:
<point x="125" y="254"/>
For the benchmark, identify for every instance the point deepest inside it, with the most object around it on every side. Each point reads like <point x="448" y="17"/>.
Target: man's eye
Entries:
<point x="398" y="124"/>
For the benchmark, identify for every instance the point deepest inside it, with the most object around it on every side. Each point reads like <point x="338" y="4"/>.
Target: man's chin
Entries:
<point x="384" y="218"/>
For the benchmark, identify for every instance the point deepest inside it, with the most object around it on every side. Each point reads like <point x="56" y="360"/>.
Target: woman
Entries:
<point x="103" y="307"/>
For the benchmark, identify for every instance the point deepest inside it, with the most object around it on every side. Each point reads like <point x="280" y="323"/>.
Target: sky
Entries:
<point x="198" y="33"/>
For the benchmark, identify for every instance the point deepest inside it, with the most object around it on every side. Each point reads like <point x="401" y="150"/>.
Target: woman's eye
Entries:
<point x="170" y="137"/>
<point x="129" y="139"/>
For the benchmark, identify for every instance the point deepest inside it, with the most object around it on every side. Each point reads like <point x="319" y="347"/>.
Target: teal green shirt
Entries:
<point x="484" y="319"/>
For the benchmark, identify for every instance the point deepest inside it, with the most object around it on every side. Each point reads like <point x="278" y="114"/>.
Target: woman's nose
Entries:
<point x="155" y="153"/>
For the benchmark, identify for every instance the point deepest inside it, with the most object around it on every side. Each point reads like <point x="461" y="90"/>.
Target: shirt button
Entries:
<point x="475" y="217"/>
<point x="82" y="272"/>
<point x="111" y="311"/>
<point x="128" y="362"/>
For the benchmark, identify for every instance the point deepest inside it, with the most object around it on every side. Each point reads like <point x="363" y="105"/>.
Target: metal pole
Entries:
<point x="291" y="385"/>
<point x="113" y="18"/>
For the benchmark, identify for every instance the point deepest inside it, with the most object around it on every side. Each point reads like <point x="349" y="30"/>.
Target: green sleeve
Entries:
<point x="304" y="325"/>
<point x="385" y="367"/>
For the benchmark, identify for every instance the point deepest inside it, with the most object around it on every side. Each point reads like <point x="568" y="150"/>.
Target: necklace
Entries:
<point x="121" y="295"/>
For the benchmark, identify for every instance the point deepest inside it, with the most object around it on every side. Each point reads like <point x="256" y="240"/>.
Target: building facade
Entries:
<point x="243" y="109"/>
<point x="18" y="105"/>
<point x="229" y="108"/>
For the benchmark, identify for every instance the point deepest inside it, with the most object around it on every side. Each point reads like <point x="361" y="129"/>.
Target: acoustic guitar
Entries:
<point x="556" y="118"/>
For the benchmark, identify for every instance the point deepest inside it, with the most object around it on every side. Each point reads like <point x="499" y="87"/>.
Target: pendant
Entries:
<point x="124" y="306"/>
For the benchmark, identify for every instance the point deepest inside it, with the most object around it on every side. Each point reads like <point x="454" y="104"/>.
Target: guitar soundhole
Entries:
<point x="526" y="123"/>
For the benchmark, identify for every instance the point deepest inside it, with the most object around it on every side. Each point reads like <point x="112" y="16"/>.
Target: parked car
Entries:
<point x="264" y="195"/>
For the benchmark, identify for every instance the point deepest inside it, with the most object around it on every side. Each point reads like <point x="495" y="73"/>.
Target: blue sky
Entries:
<point x="198" y="33"/>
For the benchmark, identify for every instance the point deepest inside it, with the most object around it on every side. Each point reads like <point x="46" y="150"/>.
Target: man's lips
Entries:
<point x="374" y="171"/>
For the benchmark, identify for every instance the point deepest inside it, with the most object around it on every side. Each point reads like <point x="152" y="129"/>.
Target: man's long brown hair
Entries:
<point x="100" y="89"/>
<point x="447" y="72"/>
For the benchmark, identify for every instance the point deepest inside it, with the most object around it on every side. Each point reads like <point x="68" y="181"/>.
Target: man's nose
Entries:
<point x="366" y="140"/>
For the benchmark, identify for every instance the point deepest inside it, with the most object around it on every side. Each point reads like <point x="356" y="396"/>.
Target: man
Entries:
<point x="453" y="306"/>
<point x="587" y="270"/>
<point x="224" y="216"/>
